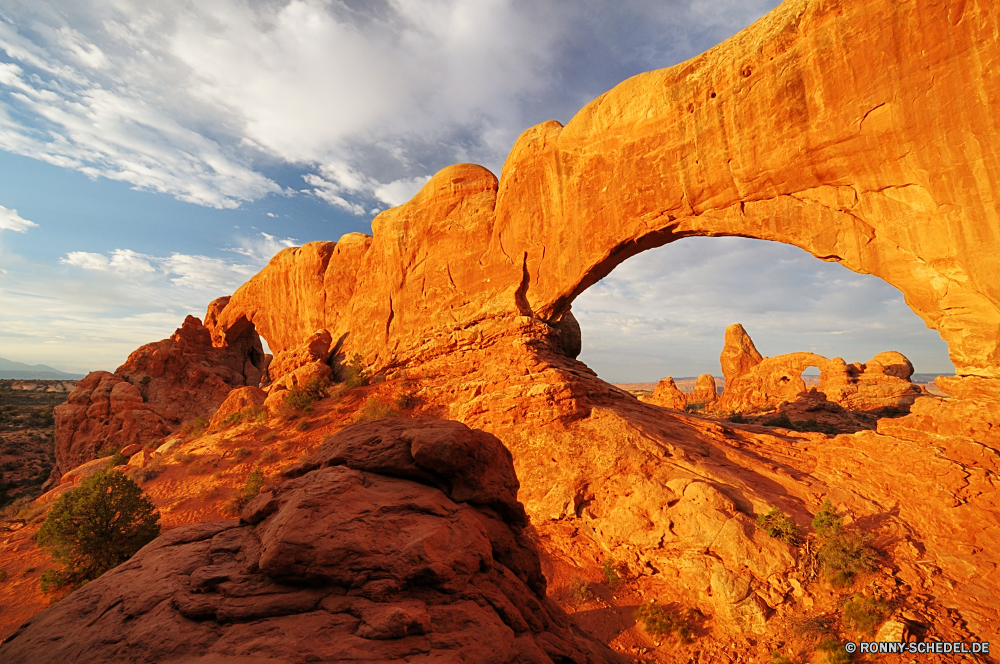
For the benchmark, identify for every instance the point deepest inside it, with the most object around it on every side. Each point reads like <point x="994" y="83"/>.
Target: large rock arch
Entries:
<point x="864" y="133"/>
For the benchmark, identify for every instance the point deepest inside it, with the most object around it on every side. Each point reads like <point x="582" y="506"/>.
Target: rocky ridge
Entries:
<point x="395" y="541"/>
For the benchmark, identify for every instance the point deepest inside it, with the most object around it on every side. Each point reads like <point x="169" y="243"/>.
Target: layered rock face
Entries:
<point x="396" y="541"/>
<point x="756" y="383"/>
<point x="158" y="387"/>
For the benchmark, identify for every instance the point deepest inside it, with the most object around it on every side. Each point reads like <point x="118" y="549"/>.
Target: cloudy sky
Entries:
<point x="153" y="156"/>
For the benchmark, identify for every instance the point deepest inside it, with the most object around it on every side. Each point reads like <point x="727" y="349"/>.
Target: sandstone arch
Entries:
<point x="811" y="128"/>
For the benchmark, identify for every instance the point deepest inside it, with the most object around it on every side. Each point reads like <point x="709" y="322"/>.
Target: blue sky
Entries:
<point x="153" y="156"/>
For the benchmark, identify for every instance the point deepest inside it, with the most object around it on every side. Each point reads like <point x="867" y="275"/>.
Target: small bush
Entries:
<point x="579" y="589"/>
<point x="143" y="475"/>
<point x="106" y="452"/>
<point x="269" y="436"/>
<point x="834" y="649"/>
<point x="252" y="486"/>
<point x="864" y="614"/>
<point x="845" y="555"/>
<point x="118" y="459"/>
<point x="241" y="453"/>
<point x="737" y="418"/>
<point x="302" y="397"/>
<point x="827" y="521"/>
<point x="611" y="574"/>
<point x="152" y="444"/>
<point x="660" y="623"/>
<point x="778" y="658"/>
<point x="777" y="525"/>
<point x="3" y="575"/>
<point x="780" y="420"/>
<point x="96" y="527"/>
<point x="184" y="457"/>
<point x="842" y="554"/>
<point x="267" y="456"/>
<point x="194" y="428"/>
<point x="354" y="372"/>
<point x="302" y="424"/>
<point x="376" y="410"/>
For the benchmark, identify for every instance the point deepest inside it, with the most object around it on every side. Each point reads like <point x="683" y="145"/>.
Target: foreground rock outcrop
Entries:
<point x="160" y="386"/>
<point x="396" y="541"/>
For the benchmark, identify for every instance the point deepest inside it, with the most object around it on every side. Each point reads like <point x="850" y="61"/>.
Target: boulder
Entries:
<point x="236" y="401"/>
<point x="738" y="354"/>
<point x="668" y="395"/>
<point x="394" y="540"/>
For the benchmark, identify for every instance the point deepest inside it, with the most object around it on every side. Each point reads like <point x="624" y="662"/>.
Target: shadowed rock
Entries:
<point x="396" y="541"/>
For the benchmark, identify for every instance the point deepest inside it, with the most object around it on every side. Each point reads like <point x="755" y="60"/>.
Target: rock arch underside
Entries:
<point x="866" y="133"/>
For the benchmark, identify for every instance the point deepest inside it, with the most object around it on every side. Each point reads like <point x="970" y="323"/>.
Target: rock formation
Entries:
<point x="738" y="353"/>
<point x="668" y="395"/>
<point x="881" y="382"/>
<point x="158" y="387"/>
<point x="705" y="390"/>
<point x="396" y="541"/>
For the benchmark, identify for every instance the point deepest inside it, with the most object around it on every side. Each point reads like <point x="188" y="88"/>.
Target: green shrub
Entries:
<point x="107" y="451"/>
<point x="827" y="521"/>
<point x="778" y="658"/>
<point x="780" y="420"/>
<point x="254" y="483"/>
<point x="354" y="372"/>
<point x="302" y="424"/>
<point x="301" y="398"/>
<point x="267" y="456"/>
<point x="737" y="418"/>
<point x="241" y="453"/>
<point x="253" y="414"/>
<point x="3" y="575"/>
<point x="864" y="614"/>
<point x="579" y="589"/>
<point x="184" y="457"/>
<point x="842" y="554"/>
<point x="612" y="574"/>
<point x="118" y="459"/>
<point x="194" y="428"/>
<point x="777" y="525"/>
<point x="96" y="527"/>
<point x="143" y="475"/>
<point x="376" y="410"/>
<point x="834" y="649"/>
<point x="660" y="623"/>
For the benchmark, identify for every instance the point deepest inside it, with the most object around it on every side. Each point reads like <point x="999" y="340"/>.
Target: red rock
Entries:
<point x="160" y="385"/>
<point x="337" y="564"/>
<point x="705" y="390"/>
<point x="236" y="401"/>
<point x="668" y="395"/>
<point x="739" y="355"/>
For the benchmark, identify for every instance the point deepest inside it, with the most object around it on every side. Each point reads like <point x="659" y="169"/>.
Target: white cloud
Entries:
<point x="10" y="220"/>
<point x="364" y="97"/>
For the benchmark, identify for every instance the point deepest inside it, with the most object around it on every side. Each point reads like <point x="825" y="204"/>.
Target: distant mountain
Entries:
<point x="18" y="371"/>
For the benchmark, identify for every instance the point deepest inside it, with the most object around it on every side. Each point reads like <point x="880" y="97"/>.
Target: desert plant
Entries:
<point x="660" y="623"/>
<point x="842" y="554"/>
<point x="184" y="457"/>
<point x="780" y="420"/>
<point x="737" y="418"/>
<point x="267" y="456"/>
<point x="834" y="649"/>
<point x="241" y="453"/>
<point x="579" y="589"/>
<point x="864" y="614"/>
<point x="778" y="526"/>
<point x="612" y="574"/>
<point x="118" y="459"/>
<point x="106" y="452"/>
<point x="194" y="428"/>
<point x="143" y="475"/>
<point x="302" y="424"/>
<point x="827" y="521"/>
<point x="3" y="575"/>
<point x="152" y="444"/>
<point x="376" y="410"/>
<point x="96" y="527"/>
<point x="354" y="372"/>
<point x="778" y="658"/>
<point x="254" y="483"/>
